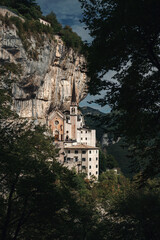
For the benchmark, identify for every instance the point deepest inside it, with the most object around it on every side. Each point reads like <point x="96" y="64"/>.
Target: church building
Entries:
<point x="77" y="143"/>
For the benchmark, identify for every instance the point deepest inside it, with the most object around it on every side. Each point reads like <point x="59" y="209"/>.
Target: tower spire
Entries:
<point x="73" y="100"/>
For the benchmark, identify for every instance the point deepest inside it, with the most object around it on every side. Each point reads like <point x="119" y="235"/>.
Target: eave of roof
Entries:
<point x="80" y="146"/>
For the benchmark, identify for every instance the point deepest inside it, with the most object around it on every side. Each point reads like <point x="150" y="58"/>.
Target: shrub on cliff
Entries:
<point x="56" y="26"/>
<point x="28" y="8"/>
<point x="39" y="199"/>
<point x="71" y="39"/>
<point x="31" y="11"/>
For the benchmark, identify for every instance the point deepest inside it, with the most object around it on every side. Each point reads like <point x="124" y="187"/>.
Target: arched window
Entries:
<point x="73" y="110"/>
<point x="67" y="138"/>
<point x="56" y="135"/>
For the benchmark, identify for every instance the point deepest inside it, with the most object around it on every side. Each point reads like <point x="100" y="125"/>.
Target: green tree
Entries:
<point x="126" y="40"/>
<point x="57" y="27"/>
<point x="126" y="212"/>
<point x="28" y="8"/>
<point x="71" y="39"/>
<point x="39" y="199"/>
<point x="141" y="208"/>
<point x="106" y="161"/>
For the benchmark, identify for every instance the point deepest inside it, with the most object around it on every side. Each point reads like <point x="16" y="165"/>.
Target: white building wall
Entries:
<point x="93" y="163"/>
<point x="83" y="160"/>
<point x="80" y="121"/>
<point x="87" y="136"/>
<point x="76" y="158"/>
<point x="44" y="22"/>
<point x="93" y="138"/>
<point x="67" y="130"/>
<point x="78" y="136"/>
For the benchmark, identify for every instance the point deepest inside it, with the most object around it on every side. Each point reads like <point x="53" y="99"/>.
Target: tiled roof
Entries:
<point x="80" y="146"/>
<point x="54" y="113"/>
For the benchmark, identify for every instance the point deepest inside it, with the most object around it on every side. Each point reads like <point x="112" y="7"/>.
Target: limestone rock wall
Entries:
<point x="46" y="83"/>
<point x="5" y="11"/>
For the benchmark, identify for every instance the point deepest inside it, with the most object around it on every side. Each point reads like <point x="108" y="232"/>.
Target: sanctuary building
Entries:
<point x="77" y="143"/>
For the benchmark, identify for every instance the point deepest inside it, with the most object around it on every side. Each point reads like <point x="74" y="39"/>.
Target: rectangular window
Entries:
<point x="81" y="131"/>
<point x="83" y="159"/>
<point x="96" y="158"/>
<point x="69" y="151"/>
<point x="90" y="159"/>
<point x="86" y="138"/>
<point x="90" y="173"/>
<point x="81" y="138"/>
<point x="90" y="151"/>
<point x="96" y="172"/>
<point x="86" y="131"/>
<point x="90" y="167"/>
<point x="68" y="159"/>
<point x="83" y="167"/>
<point x="76" y="159"/>
<point x="83" y="152"/>
<point x="76" y="151"/>
<point x="96" y="166"/>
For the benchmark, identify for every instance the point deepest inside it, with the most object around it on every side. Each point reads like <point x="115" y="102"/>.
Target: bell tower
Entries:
<point x="73" y="113"/>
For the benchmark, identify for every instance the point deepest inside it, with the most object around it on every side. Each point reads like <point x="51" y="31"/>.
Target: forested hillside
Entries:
<point x="42" y="200"/>
<point x="114" y="154"/>
<point x="31" y="11"/>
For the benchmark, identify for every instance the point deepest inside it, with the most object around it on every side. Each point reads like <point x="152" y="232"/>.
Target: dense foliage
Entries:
<point x="40" y="199"/>
<point x="111" y="155"/>
<point x="127" y="212"/>
<point x="27" y="29"/>
<point x="51" y="18"/>
<point x="121" y="155"/>
<point x="31" y="11"/>
<point x="126" y="40"/>
<point x="72" y="40"/>
<point x="106" y="161"/>
<point x="27" y="8"/>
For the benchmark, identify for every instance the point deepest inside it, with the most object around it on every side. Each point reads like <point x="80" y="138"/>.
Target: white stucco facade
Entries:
<point x="44" y="22"/>
<point x="76" y="141"/>
<point x="83" y="158"/>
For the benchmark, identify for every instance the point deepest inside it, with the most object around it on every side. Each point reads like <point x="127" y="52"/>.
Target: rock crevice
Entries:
<point x="45" y="83"/>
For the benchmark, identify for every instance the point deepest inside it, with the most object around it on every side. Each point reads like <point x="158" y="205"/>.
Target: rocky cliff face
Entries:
<point x="45" y="83"/>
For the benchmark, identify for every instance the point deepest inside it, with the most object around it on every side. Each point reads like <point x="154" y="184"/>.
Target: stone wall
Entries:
<point x="5" y="11"/>
<point x="46" y="83"/>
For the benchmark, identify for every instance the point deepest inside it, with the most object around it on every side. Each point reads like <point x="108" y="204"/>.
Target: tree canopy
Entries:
<point x="31" y="11"/>
<point x="51" y="17"/>
<point x="39" y="199"/>
<point x="126" y="40"/>
<point x="28" y="8"/>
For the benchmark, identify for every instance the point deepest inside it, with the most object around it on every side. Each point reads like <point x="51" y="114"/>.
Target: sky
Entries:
<point x="69" y="12"/>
